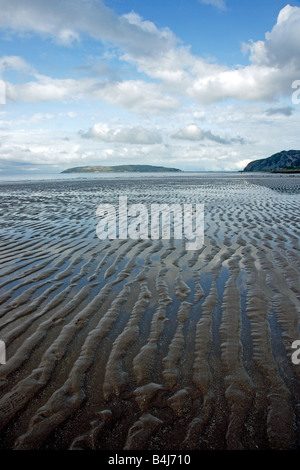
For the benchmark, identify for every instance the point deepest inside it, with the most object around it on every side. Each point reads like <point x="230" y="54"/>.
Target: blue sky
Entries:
<point x="196" y="84"/>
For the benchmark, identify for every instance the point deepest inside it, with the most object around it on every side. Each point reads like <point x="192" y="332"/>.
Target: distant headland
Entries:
<point x="282" y="162"/>
<point x="121" y="169"/>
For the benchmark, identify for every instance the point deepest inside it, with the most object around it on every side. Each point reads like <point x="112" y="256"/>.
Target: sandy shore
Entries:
<point x="124" y="344"/>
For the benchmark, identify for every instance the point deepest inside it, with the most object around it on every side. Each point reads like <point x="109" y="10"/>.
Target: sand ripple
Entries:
<point x="133" y="344"/>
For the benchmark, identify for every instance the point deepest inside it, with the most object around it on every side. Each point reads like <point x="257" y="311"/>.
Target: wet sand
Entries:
<point x="124" y="344"/>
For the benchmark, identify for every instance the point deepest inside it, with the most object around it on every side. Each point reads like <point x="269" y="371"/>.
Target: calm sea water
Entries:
<point x="89" y="176"/>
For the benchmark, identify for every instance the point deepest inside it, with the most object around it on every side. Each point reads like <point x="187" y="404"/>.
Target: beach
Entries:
<point x="142" y="344"/>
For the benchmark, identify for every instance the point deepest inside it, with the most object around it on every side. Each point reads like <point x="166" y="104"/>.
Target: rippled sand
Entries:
<point x="124" y="344"/>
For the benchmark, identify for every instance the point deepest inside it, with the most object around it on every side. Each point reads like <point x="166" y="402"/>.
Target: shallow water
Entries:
<point x="126" y="344"/>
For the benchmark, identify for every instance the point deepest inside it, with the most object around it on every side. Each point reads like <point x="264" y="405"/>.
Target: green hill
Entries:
<point x="120" y="169"/>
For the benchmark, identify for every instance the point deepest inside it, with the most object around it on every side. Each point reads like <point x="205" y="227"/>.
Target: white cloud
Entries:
<point x="30" y="144"/>
<point x="67" y="21"/>
<point x="48" y="89"/>
<point x="282" y="44"/>
<point x="135" y="95"/>
<point x="14" y="63"/>
<point x="274" y="63"/>
<point x="216" y="3"/>
<point x="131" y="135"/>
<point x="193" y="133"/>
<point x="139" y="96"/>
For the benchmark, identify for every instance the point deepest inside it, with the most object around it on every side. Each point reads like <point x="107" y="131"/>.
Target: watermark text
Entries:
<point x="163" y="221"/>
<point x="2" y="92"/>
<point x="296" y="94"/>
<point x="296" y="354"/>
<point x="2" y="352"/>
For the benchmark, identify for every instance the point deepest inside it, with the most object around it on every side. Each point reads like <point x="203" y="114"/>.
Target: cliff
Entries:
<point x="282" y="161"/>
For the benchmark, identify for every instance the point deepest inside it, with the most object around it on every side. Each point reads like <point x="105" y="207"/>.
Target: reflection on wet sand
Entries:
<point x="141" y="344"/>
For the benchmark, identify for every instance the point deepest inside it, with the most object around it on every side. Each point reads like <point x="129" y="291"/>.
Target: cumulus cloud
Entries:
<point x="135" y="95"/>
<point x="131" y="135"/>
<point x="60" y="148"/>
<point x="156" y="52"/>
<point x="67" y="21"/>
<point x="48" y="89"/>
<point x="194" y="133"/>
<point x="274" y="64"/>
<point x="282" y="44"/>
<point x="14" y="63"/>
<point x="139" y="96"/>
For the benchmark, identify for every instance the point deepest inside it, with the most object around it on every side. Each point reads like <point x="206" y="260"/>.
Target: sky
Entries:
<point x="206" y="85"/>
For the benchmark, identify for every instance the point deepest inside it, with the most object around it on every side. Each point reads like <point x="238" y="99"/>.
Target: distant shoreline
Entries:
<point x="274" y="172"/>
<point x="122" y="169"/>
